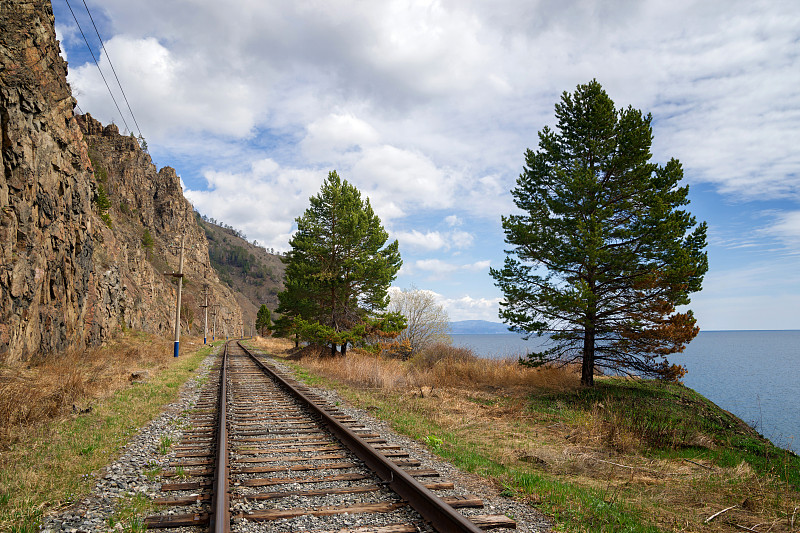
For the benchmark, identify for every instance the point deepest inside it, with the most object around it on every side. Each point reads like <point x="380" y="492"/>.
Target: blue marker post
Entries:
<point x="179" y="275"/>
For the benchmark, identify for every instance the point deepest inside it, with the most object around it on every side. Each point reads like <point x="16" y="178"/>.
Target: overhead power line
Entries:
<point x="98" y="66"/>
<point x="103" y="46"/>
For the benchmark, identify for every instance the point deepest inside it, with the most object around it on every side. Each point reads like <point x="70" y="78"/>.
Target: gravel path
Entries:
<point x="128" y="475"/>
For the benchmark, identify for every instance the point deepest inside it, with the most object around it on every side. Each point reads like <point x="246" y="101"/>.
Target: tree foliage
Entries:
<point x="339" y="267"/>
<point x="427" y="321"/>
<point x="147" y="242"/>
<point x="602" y="253"/>
<point x="264" y="320"/>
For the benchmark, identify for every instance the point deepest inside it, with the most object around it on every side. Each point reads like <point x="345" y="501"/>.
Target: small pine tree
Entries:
<point x="147" y="242"/>
<point x="103" y="204"/>
<point x="264" y="320"/>
<point x="340" y="266"/>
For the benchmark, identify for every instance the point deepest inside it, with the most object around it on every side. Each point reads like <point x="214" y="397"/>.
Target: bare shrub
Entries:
<point x="427" y="322"/>
<point x="442" y="353"/>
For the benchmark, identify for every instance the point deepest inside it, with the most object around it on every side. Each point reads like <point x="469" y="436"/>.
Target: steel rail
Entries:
<point x="221" y="516"/>
<point x="440" y="515"/>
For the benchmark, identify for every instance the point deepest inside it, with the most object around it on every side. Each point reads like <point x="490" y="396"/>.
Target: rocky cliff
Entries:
<point x="86" y="221"/>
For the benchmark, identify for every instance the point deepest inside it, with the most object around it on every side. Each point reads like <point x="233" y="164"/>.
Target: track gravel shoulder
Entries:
<point x="529" y="519"/>
<point x="132" y="474"/>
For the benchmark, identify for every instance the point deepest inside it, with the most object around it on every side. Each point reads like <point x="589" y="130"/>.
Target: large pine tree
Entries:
<point x="339" y="267"/>
<point x="601" y="252"/>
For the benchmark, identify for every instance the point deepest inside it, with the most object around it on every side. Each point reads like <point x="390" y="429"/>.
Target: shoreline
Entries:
<point x="729" y="368"/>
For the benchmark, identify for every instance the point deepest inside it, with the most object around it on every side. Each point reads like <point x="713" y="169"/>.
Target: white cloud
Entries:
<point x="62" y="33"/>
<point x="439" y="269"/>
<point x="478" y="266"/>
<point x="453" y="221"/>
<point x="464" y="307"/>
<point x="429" y="98"/>
<point x="434" y="240"/>
<point x="170" y="94"/>
<point x="469" y="308"/>
<point x="336" y="134"/>
<point x="431" y="240"/>
<point x="786" y="229"/>
<point x="277" y="194"/>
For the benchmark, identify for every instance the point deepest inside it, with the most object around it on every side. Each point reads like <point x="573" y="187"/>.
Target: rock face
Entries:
<point x="75" y="270"/>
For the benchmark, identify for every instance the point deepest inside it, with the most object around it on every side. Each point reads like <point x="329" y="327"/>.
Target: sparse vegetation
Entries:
<point x="251" y="269"/>
<point x="50" y="442"/>
<point x="627" y="455"/>
<point x="103" y="204"/>
<point x="129" y="514"/>
<point x="147" y="242"/>
<point x="101" y="198"/>
<point x="164" y="445"/>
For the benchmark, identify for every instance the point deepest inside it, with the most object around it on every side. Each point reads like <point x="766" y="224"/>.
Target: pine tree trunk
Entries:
<point x="344" y="349"/>
<point x="587" y="365"/>
<point x="333" y="349"/>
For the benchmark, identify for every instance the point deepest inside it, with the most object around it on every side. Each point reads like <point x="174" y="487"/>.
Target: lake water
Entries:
<point x="753" y="374"/>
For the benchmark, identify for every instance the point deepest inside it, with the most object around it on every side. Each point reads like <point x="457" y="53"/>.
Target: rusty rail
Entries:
<point x="440" y="515"/>
<point x="220" y="500"/>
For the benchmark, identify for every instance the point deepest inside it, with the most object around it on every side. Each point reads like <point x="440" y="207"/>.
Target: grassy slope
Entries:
<point x="49" y="464"/>
<point x="624" y="456"/>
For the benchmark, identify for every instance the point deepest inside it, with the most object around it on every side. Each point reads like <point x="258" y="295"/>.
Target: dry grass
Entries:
<point x="39" y="391"/>
<point x="440" y="367"/>
<point x="582" y="459"/>
<point x="50" y="454"/>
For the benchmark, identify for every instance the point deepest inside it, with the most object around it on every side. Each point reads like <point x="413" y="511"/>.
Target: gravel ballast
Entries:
<point x="128" y="476"/>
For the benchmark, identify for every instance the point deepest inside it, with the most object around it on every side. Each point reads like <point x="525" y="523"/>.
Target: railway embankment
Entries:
<point x="626" y="455"/>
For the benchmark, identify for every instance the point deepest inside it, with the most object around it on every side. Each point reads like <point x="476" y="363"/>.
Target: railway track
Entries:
<point x="263" y="453"/>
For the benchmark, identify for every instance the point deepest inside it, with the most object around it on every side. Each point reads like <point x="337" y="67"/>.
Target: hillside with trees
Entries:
<point x="252" y="271"/>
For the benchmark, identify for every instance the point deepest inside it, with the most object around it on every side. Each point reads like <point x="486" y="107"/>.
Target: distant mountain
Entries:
<point x="477" y="327"/>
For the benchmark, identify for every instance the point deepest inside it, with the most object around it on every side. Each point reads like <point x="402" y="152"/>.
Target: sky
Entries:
<point x="428" y="107"/>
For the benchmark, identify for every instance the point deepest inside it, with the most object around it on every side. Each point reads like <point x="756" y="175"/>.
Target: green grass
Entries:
<point x="573" y="508"/>
<point x="165" y="445"/>
<point x="55" y="464"/>
<point x="649" y="420"/>
<point x="674" y="421"/>
<point x="130" y="512"/>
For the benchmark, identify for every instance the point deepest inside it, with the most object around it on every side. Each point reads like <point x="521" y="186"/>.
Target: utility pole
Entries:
<point x="214" y="327"/>
<point x="205" y="304"/>
<point x="179" y="275"/>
